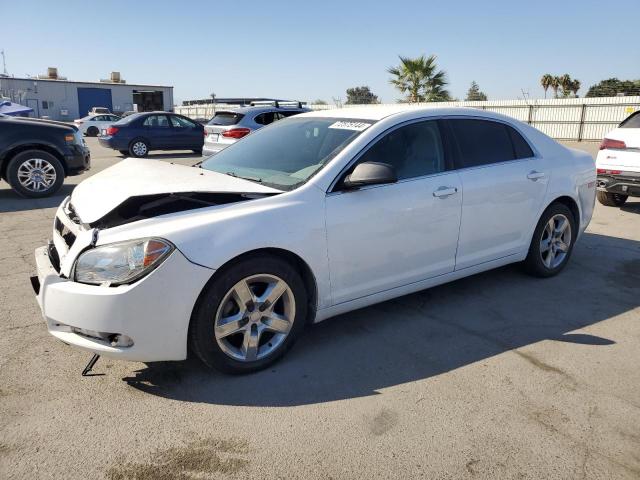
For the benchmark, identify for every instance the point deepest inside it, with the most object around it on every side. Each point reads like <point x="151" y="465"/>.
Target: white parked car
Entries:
<point x="305" y="219"/>
<point x="92" y="125"/>
<point x="618" y="163"/>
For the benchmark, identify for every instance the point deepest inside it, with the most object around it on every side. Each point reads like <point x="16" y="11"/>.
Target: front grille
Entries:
<point x="66" y="234"/>
<point x="53" y="256"/>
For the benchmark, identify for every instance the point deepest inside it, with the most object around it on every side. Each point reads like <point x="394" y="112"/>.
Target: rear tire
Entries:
<point x="138" y="148"/>
<point x="92" y="132"/>
<point x="552" y="242"/>
<point x="35" y="174"/>
<point x="248" y="316"/>
<point x="611" y="199"/>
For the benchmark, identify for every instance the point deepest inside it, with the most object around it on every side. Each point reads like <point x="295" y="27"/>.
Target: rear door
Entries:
<point x="504" y="186"/>
<point x="158" y="131"/>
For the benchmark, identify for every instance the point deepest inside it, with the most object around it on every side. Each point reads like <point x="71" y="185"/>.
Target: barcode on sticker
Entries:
<point x="357" y="126"/>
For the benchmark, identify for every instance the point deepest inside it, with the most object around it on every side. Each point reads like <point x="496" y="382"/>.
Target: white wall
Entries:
<point x="566" y="118"/>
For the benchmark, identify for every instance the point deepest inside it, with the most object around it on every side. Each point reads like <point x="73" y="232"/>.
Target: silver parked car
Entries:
<point x="229" y="125"/>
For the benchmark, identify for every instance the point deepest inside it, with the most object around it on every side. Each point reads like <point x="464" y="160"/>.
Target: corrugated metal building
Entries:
<point x="60" y="99"/>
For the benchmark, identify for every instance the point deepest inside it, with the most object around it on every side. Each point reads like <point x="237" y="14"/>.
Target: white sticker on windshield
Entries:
<point x="357" y="126"/>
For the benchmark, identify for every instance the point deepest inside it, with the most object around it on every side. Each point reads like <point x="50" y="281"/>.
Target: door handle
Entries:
<point x="534" y="175"/>
<point x="443" y="192"/>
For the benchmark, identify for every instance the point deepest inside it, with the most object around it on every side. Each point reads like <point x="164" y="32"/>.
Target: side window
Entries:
<point x="179" y="122"/>
<point x="290" y="113"/>
<point x="156" y="121"/>
<point x="278" y="116"/>
<point x="520" y="145"/>
<point x="264" y="118"/>
<point x="481" y="142"/>
<point x="414" y="150"/>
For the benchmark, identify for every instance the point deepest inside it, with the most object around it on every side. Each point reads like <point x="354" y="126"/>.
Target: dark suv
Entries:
<point x="36" y="155"/>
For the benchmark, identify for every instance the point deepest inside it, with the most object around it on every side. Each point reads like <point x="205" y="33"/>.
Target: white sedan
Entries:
<point x="618" y="163"/>
<point x="92" y="125"/>
<point x="305" y="219"/>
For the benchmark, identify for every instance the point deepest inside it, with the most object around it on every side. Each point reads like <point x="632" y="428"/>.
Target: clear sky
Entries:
<point x="307" y="50"/>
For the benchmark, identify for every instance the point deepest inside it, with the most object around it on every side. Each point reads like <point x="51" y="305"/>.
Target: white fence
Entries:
<point x="565" y="119"/>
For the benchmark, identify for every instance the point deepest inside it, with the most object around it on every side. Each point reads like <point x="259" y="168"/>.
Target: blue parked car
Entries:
<point x="140" y="133"/>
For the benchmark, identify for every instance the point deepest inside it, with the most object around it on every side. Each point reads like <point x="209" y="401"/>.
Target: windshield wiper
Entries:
<point x="251" y="179"/>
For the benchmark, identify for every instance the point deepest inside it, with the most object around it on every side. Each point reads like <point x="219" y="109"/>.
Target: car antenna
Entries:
<point x="90" y="365"/>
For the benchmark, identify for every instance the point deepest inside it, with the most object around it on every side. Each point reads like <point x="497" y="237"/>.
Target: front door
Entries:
<point x="386" y="236"/>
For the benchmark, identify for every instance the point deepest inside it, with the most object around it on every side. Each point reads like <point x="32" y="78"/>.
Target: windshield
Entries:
<point x="287" y="153"/>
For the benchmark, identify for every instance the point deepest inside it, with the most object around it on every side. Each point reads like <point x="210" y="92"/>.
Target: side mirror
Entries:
<point x="370" y="173"/>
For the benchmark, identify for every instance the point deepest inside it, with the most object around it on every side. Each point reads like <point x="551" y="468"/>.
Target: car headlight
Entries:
<point x="120" y="263"/>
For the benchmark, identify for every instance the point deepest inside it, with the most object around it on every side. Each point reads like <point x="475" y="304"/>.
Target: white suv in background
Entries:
<point x="229" y="125"/>
<point x="618" y="163"/>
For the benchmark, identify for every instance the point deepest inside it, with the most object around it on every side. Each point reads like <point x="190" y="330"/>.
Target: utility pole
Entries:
<point x="4" y="63"/>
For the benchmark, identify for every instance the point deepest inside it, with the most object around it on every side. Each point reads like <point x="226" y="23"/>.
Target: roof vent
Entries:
<point x="113" y="78"/>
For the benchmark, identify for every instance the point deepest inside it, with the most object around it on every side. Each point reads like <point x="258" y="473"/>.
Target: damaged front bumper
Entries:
<point x="147" y="320"/>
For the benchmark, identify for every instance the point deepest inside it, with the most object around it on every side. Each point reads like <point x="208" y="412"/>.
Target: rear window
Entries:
<point x="633" y="121"/>
<point x="225" y="118"/>
<point x="482" y="142"/>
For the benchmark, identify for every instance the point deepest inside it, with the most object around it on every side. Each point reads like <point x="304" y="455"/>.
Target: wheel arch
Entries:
<point x="571" y="204"/>
<point x="303" y="268"/>
<point x="13" y="151"/>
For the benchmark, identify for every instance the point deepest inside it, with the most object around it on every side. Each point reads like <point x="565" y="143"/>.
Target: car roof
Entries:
<point x="261" y="109"/>
<point x="378" y="112"/>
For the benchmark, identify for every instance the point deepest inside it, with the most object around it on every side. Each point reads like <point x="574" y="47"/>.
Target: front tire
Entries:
<point x="611" y="199"/>
<point x="139" y="148"/>
<point x="552" y="242"/>
<point x="249" y="315"/>
<point x="35" y="174"/>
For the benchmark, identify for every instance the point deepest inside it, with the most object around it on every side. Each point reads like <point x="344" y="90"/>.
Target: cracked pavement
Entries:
<point x="494" y="376"/>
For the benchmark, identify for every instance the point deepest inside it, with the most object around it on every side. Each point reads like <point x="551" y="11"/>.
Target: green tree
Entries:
<point x="420" y="80"/>
<point x="613" y="87"/>
<point x="474" y="93"/>
<point x="319" y="102"/>
<point x="361" y="95"/>
<point x="546" y="81"/>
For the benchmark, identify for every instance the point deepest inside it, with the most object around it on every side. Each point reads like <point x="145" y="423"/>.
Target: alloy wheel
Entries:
<point x="555" y="241"/>
<point x="254" y="317"/>
<point x="37" y="175"/>
<point x="139" y="148"/>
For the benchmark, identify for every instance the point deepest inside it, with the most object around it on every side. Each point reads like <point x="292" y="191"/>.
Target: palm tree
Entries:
<point x="565" y="84"/>
<point x="555" y="85"/>
<point x="420" y="79"/>
<point x="575" y="86"/>
<point x="545" y="81"/>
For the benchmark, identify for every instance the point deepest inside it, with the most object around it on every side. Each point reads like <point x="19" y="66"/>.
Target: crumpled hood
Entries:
<point x="98" y="195"/>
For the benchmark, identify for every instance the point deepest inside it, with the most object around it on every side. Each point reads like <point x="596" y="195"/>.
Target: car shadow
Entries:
<point x="631" y="207"/>
<point x="10" y="201"/>
<point x="426" y="334"/>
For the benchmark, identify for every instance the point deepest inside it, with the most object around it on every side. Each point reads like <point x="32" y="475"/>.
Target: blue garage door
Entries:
<point x="93" y="97"/>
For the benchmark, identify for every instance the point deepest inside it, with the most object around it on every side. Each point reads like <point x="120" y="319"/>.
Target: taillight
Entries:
<point x="112" y="130"/>
<point x="236" y="132"/>
<point x="604" y="171"/>
<point x="611" y="143"/>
